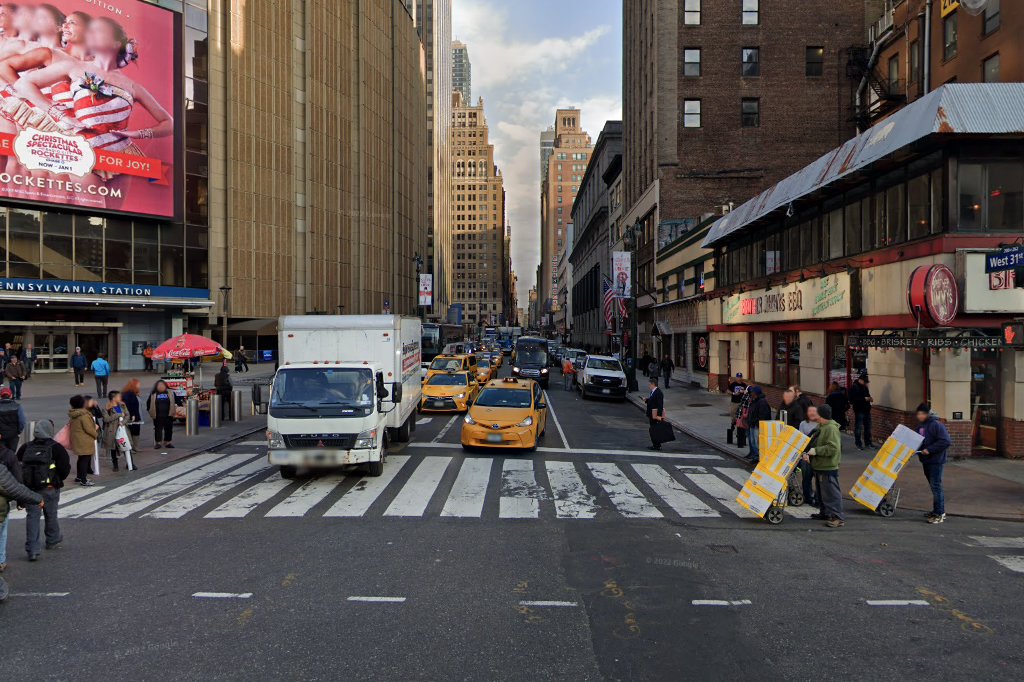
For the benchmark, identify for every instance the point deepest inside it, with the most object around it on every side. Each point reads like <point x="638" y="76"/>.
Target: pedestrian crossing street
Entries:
<point x="1004" y="546"/>
<point x="236" y="486"/>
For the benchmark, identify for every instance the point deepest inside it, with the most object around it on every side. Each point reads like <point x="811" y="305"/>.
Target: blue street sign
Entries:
<point x="1005" y="259"/>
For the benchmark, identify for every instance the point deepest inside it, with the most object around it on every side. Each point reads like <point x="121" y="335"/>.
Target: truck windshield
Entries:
<point x="323" y="391"/>
<point x="532" y="356"/>
<point x="602" y="363"/>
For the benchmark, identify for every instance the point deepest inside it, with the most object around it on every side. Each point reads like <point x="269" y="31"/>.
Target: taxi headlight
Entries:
<point x="469" y="419"/>
<point x="366" y="440"/>
<point x="459" y="396"/>
<point x="526" y="422"/>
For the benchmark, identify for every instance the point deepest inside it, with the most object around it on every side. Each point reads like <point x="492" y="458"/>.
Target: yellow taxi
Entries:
<point x="449" y="392"/>
<point x="443" y="364"/>
<point x="507" y="413"/>
<point x="485" y="370"/>
<point x="497" y="359"/>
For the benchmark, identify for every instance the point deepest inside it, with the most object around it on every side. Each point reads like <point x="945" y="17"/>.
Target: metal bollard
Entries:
<point x="215" y="410"/>
<point x="192" y="416"/>
<point x="236" y="405"/>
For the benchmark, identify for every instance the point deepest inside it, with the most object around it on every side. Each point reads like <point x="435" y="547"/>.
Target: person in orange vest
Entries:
<point x="568" y="374"/>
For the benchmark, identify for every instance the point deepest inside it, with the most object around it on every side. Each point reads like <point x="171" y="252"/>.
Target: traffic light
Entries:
<point x="1013" y="334"/>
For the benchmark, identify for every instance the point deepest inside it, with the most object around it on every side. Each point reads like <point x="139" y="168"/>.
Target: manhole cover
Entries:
<point x="723" y="549"/>
<point x="699" y="405"/>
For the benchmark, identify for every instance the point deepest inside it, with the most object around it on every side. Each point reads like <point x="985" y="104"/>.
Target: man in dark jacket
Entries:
<point x="12" y="419"/>
<point x="79" y="363"/>
<point x="860" y="400"/>
<point x="11" y="489"/>
<point x="44" y="466"/>
<point x="222" y="384"/>
<point x="933" y="458"/>
<point x="655" y="408"/>
<point x="760" y="411"/>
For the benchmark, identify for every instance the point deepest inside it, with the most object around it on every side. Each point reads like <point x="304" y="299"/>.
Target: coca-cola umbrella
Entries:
<point x="188" y="346"/>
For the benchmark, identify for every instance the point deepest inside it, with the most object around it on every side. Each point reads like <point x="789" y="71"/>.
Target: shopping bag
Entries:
<point x="123" y="440"/>
<point x="63" y="437"/>
<point x="661" y="432"/>
<point x="96" y="458"/>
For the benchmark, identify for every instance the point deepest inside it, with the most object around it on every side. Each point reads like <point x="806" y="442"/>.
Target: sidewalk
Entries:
<point x="990" y="488"/>
<point x="45" y="396"/>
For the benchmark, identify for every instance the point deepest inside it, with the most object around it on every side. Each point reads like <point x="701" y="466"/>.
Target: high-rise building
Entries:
<point x="297" y="183"/>
<point x="462" y="71"/>
<point x="433" y="20"/>
<point x="478" y="251"/>
<point x="547" y="145"/>
<point x="560" y="180"/>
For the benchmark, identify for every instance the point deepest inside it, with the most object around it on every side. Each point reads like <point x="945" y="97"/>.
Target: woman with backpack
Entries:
<point x="83" y="435"/>
<point x="160" y="405"/>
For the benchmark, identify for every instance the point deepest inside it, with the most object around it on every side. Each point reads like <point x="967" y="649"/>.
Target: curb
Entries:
<point x="639" y="403"/>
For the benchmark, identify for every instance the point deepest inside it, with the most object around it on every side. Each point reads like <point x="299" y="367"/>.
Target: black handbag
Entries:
<point x="661" y="432"/>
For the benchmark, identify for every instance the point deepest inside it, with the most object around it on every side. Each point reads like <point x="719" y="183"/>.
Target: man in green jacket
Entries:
<point x="824" y="458"/>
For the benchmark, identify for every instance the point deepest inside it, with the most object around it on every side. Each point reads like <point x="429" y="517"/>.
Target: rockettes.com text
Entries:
<point x="59" y="185"/>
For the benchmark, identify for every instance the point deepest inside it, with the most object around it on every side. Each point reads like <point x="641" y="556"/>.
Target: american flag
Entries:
<point x="609" y="300"/>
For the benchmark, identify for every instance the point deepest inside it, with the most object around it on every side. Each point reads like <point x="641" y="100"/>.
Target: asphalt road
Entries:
<point x="653" y="579"/>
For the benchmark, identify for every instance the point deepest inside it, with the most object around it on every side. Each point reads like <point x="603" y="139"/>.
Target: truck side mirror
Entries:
<point x="396" y="392"/>
<point x="382" y="391"/>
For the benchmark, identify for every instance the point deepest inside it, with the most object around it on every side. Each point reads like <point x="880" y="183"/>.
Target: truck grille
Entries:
<point x="607" y="381"/>
<point x="337" y="441"/>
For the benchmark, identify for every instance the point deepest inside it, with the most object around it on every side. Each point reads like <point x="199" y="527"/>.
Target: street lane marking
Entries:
<point x="519" y="490"/>
<point x="720" y="491"/>
<point x="306" y="497"/>
<point x="548" y="603"/>
<point x="554" y="418"/>
<point x="994" y="542"/>
<point x="252" y="442"/>
<point x="588" y="451"/>
<point x="572" y="501"/>
<point x="685" y="503"/>
<point x="896" y="602"/>
<point x="180" y="506"/>
<point x="720" y="602"/>
<point x="382" y="600"/>
<point x="741" y="476"/>
<point x="358" y="499"/>
<point x="159" y="493"/>
<point x="626" y="497"/>
<point x="245" y="502"/>
<point x="222" y="595"/>
<point x="443" y="432"/>
<point x="1014" y="563"/>
<point x="40" y="594"/>
<point x="67" y="496"/>
<point x="466" y="498"/>
<point x="95" y="502"/>
<point x="424" y="420"/>
<point x="413" y="498"/>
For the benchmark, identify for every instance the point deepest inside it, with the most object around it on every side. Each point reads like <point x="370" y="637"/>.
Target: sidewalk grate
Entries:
<point x="724" y="549"/>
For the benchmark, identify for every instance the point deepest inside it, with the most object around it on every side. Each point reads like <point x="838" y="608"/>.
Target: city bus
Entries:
<point x="436" y="336"/>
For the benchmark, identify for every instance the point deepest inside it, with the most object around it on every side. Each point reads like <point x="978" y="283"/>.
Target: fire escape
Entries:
<point x="883" y="95"/>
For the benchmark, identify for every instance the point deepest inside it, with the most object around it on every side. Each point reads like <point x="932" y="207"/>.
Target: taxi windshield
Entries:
<point x="601" y="363"/>
<point x="483" y="363"/>
<point x="448" y="380"/>
<point x="504" y="397"/>
<point x="446" y="364"/>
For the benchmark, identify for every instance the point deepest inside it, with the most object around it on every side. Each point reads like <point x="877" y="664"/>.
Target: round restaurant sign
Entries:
<point x="933" y="295"/>
<point x="702" y="353"/>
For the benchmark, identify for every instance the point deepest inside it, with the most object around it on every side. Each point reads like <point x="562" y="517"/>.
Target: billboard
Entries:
<point x="621" y="271"/>
<point x="89" y="95"/>
<point x="426" y="290"/>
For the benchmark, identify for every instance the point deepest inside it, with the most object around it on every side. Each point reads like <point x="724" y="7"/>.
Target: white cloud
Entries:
<point x="523" y="81"/>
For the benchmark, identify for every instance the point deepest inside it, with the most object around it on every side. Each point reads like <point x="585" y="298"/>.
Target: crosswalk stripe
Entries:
<point x="67" y="496"/>
<point x="357" y="499"/>
<point x="519" y="490"/>
<point x="998" y="542"/>
<point x="180" y="506"/>
<point x="148" y="498"/>
<point x="306" y="497"/>
<point x="1014" y="563"/>
<point x="413" y="498"/>
<point x="572" y="501"/>
<point x="626" y="497"/>
<point x="252" y="497"/>
<point x="720" y="491"/>
<point x="95" y="502"/>
<point x="685" y="503"/>
<point x="466" y="498"/>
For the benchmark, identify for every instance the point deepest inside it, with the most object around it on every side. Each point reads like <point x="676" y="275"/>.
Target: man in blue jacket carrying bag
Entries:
<point x="933" y="458"/>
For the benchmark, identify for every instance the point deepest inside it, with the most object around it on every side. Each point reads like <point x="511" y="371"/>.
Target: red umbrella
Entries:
<point x="188" y="346"/>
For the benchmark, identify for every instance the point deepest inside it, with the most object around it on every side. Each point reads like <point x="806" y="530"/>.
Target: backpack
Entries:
<point x="37" y="464"/>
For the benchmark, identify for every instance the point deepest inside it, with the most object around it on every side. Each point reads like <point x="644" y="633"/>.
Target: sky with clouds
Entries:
<point x="530" y="57"/>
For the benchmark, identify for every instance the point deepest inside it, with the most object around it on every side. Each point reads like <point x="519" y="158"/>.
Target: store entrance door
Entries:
<point x="94" y="344"/>
<point x="986" y="408"/>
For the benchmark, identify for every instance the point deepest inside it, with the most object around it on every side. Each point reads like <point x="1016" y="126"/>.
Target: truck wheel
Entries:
<point x="375" y="468"/>
<point x="289" y="473"/>
<point x="401" y="434"/>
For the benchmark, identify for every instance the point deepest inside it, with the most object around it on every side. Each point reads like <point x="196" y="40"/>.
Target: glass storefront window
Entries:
<point x="1005" y="196"/>
<point x="197" y="268"/>
<point x="172" y="255"/>
<point x="58" y="246"/>
<point x="118" y="244"/>
<point x="196" y="54"/>
<point x="196" y="199"/>
<point x="786" y="364"/>
<point x="23" y="243"/>
<point x="970" y="190"/>
<point x="918" y="201"/>
<point x="88" y="248"/>
<point x="896" y="214"/>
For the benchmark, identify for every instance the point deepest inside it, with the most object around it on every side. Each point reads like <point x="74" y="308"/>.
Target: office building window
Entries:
<point x="691" y="62"/>
<point x="949" y="36"/>
<point x="750" y="17"/>
<point x="814" y="61"/>
<point x="991" y="16"/>
<point x="751" y="62"/>
<point x="750" y="112"/>
<point x="894" y="73"/>
<point x="691" y="12"/>
<point x="691" y="113"/>
<point x="915" y="62"/>
<point x="990" y="69"/>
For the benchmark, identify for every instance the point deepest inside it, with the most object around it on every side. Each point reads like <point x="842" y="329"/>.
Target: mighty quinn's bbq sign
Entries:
<point x="830" y="297"/>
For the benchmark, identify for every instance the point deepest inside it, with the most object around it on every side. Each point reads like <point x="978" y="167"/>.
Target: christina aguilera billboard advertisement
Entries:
<point x="87" y="105"/>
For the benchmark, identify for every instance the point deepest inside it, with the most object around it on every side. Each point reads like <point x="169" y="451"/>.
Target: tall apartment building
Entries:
<point x="433" y="20"/>
<point x="560" y="181"/>
<point x="547" y="145"/>
<point x="721" y="99"/>
<point x="479" y="247"/>
<point x="297" y="184"/>
<point x="462" y="70"/>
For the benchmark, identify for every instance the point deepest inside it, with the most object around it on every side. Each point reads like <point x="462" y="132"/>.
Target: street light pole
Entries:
<point x="226" y="292"/>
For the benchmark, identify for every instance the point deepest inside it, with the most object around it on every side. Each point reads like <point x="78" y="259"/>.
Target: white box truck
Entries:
<point x="346" y="385"/>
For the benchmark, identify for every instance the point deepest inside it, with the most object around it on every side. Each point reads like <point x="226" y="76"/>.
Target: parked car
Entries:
<point x="601" y="376"/>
